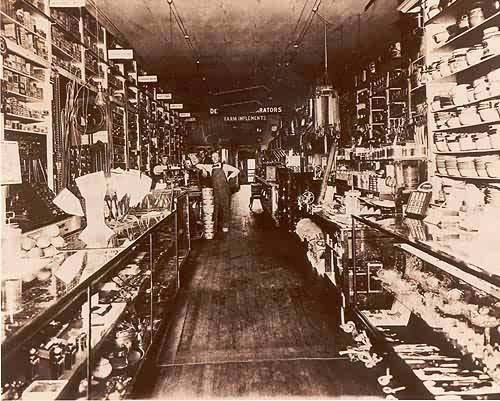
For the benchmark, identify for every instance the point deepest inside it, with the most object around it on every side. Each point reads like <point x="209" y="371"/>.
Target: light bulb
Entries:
<point x="99" y="100"/>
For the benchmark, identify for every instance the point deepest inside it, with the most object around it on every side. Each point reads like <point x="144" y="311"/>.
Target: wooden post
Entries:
<point x="329" y="165"/>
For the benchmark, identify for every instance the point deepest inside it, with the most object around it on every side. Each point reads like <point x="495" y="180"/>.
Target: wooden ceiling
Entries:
<point x="241" y="43"/>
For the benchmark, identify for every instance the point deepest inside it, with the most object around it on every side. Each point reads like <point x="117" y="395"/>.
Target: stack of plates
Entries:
<point x="452" y="166"/>
<point x="208" y="208"/>
<point x="466" y="166"/>
<point x="493" y="196"/>
<point x="480" y="165"/>
<point x="441" y="165"/>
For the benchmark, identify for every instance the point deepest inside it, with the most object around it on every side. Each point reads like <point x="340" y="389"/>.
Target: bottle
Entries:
<point x="399" y="201"/>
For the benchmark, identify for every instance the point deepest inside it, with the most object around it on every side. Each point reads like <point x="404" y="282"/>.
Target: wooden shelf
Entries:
<point x="65" y="53"/>
<point x="27" y="54"/>
<point x="69" y="75"/>
<point x="469" y="152"/>
<point x="480" y="179"/>
<point x="25" y="131"/>
<point x="468" y="68"/>
<point x="416" y="88"/>
<point x="453" y="107"/>
<point x="30" y="31"/>
<point x="69" y="34"/>
<point x="418" y="59"/>
<point x="24" y="74"/>
<point x="24" y="118"/>
<point x="447" y="12"/>
<point x="461" y="127"/>
<point x="476" y="31"/>
<point x="24" y="97"/>
<point x="396" y="159"/>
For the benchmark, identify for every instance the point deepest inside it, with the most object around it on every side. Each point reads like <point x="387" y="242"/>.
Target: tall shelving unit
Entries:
<point x="457" y="122"/>
<point x="27" y="90"/>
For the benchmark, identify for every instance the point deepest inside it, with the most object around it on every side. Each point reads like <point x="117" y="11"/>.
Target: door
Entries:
<point x="251" y="170"/>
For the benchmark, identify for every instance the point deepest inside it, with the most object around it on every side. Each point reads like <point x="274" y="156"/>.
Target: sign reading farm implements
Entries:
<point x="245" y="118"/>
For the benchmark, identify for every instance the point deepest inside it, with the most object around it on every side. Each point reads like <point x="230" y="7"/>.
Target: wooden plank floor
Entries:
<point x="248" y="327"/>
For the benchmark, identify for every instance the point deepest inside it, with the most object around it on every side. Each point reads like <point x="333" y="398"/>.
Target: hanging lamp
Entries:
<point x="100" y="99"/>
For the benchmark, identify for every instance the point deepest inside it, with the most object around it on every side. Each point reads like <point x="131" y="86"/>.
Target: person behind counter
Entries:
<point x="158" y="172"/>
<point x="191" y="174"/>
<point x="220" y="173"/>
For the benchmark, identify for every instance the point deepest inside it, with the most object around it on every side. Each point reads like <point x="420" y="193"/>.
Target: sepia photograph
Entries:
<point x="250" y="199"/>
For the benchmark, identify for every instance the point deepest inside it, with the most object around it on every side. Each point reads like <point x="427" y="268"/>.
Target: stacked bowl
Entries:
<point x="208" y="208"/>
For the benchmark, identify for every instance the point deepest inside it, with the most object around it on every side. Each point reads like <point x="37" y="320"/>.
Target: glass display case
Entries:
<point x="81" y="326"/>
<point x="434" y="316"/>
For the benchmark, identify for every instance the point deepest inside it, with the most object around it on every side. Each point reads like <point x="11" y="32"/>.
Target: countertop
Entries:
<point x="464" y="254"/>
<point x="64" y="277"/>
<point x="265" y="182"/>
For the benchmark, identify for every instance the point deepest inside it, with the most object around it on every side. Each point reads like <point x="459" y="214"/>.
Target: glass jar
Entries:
<point x="463" y="22"/>
<point x="476" y="16"/>
<point x="459" y="57"/>
<point x="494" y="136"/>
<point x="441" y="144"/>
<point x="466" y="142"/>
<point x="480" y="165"/>
<point x="459" y="94"/>
<point x="444" y="67"/>
<point x="483" y="141"/>
<point x="487" y="111"/>
<point x="480" y="88"/>
<point x="453" y="143"/>
<point x="492" y="43"/>
<point x="474" y="54"/>
<point x="469" y="116"/>
<point x="470" y="94"/>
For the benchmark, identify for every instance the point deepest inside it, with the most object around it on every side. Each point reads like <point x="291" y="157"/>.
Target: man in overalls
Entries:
<point x="220" y="173"/>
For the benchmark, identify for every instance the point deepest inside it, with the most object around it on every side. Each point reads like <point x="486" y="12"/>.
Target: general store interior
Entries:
<point x="250" y="199"/>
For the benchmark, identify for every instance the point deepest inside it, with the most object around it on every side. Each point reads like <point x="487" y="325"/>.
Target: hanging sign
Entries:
<point x="147" y="78"/>
<point x="163" y="96"/>
<point x="244" y="118"/>
<point x="190" y="120"/>
<point x="176" y="106"/>
<point x="184" y="115"/>
<point x="120" y="54"/>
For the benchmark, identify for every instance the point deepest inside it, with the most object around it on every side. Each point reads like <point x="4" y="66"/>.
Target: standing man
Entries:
<point x="220" y="173"/>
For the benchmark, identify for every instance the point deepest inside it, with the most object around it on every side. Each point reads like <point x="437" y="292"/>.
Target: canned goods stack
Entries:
<point x="207" y="196"/>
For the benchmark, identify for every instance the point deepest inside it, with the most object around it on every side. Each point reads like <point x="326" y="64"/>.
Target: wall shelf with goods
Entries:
<point x="387" y="137"/>
<point x="463" y="82"/>
<point x="53" y="48"/>
<point x="27" y="91"/>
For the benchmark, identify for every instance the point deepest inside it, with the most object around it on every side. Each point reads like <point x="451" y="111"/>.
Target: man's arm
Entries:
<point x="233" y="171"/>
<point x="205" y="168"/>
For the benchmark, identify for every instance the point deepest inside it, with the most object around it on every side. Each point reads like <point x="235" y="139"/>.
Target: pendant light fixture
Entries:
<point x="100" y="99"/>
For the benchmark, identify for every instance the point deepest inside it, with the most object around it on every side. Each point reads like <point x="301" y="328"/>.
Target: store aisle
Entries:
<point x="247" y="325"/>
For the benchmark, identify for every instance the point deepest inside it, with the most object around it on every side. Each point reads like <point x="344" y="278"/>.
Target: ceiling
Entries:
<point x="242" y="43"/>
